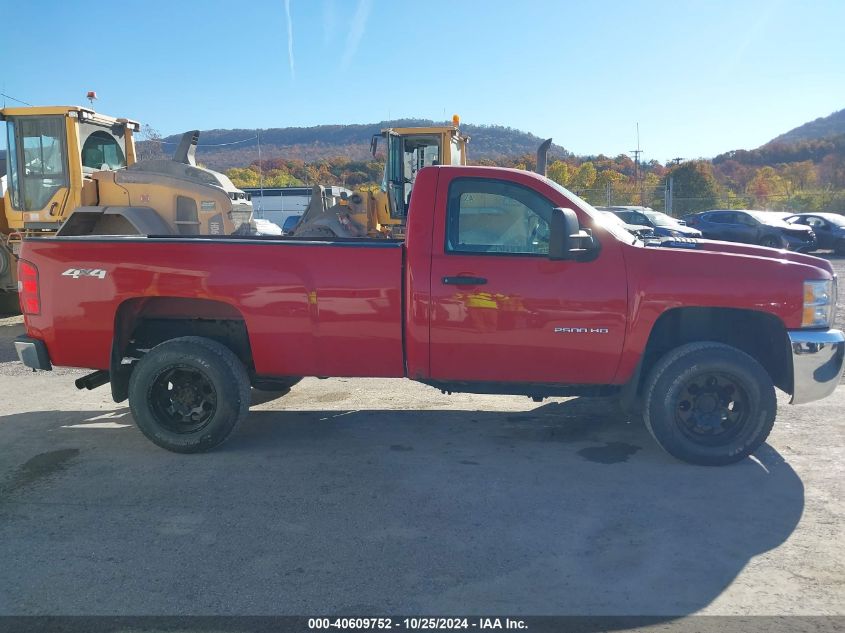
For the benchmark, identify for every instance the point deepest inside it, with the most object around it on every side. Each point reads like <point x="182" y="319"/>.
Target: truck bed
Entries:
<point x="311" y="307"/>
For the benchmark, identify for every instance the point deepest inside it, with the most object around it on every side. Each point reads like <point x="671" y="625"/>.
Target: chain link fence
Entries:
<point x="673" y="202"/>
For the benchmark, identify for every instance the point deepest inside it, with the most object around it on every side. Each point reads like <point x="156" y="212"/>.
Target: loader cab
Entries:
<point x="51" y="154"/>
<point x="411" y="149"/>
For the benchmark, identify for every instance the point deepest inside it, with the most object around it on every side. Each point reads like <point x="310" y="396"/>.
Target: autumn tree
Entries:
<point x="559" y="172"/>
<point x="584" y="177"/>
<point x="693" y="187"/>
<point x="767" y="188"/>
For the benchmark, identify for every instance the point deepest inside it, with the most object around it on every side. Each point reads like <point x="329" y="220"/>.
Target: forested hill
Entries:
<point x="821" y="128"/>
<point x="223" y="149"/>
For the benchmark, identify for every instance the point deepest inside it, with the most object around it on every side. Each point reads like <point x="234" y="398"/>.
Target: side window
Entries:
<point x="816" y="223"/>
<point x="745" y="219"/>
<point x="493" y="216"/>
<point x="101" y="149"/>
<point x="723" y="218"/>
<point x="640" y="219"/>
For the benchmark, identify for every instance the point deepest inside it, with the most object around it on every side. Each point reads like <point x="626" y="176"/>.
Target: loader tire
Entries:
<point x="709" y="403"/>
<point x="9" y="304"/>
<point x="188" y="394"/>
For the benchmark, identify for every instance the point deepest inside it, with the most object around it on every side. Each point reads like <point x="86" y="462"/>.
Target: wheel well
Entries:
<point x="762" y="336"/>
<point x="143" y="323"/>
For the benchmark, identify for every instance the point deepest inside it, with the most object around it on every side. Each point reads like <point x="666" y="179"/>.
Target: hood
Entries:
<point x="683" y="229"/>
<point x="781" y="224"/>
<point x="671" y="273"/>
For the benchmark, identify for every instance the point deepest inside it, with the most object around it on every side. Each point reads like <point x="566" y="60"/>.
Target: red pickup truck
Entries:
<point x="506" y="283"/>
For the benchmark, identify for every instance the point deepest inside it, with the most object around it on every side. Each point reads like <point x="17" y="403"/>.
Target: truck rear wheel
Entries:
<point x="188" y="394"/>
<point x="709" y="404"/>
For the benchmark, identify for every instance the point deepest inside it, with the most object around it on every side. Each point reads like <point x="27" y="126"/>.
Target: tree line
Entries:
<point x="804" y="176"/>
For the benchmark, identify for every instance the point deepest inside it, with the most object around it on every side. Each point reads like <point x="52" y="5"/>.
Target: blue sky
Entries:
<point x="699" y="77"/>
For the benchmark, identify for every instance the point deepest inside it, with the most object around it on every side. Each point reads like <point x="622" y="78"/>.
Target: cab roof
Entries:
<point x="64" y="111"/>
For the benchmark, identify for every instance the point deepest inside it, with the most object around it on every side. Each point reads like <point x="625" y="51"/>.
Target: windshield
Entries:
<point x="615" y="228"/>
<point x="661" y="219"/>
<point x="831" y="218"/>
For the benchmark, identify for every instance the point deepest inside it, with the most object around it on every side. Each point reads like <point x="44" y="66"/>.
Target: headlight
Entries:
<point x="819" y="303"/>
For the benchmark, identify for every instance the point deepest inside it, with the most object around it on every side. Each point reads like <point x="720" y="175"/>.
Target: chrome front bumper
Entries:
<point x="817" y="363"/>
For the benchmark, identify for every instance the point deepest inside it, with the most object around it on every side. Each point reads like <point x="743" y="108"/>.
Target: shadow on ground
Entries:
<point x="564" y="509"/>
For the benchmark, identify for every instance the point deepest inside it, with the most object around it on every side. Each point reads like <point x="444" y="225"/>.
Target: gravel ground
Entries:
<point x="378" y="497"/>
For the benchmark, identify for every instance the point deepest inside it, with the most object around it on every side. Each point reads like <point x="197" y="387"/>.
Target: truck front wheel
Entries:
<point x="708" y="403"/>
<point x="188" y="394"/>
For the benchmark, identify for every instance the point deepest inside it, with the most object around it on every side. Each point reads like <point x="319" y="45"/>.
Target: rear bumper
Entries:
<point x="817" y="363"/>
<point x="33" y="353"/>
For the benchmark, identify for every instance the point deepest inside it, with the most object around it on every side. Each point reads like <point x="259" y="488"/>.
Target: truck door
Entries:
<point x="500" y="310"/>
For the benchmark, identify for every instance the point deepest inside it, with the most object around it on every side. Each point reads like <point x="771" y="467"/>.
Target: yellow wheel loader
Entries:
<point x="73" y="171"/>
<point x="382" y="213"/>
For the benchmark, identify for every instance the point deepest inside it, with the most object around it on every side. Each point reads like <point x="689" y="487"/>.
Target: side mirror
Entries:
<point x="567" y="240"/>
<point x="374" y="144"/>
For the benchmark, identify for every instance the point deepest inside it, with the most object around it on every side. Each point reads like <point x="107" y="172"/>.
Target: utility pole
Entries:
<point x="636" y="153"/>
<point x="260" y="174"/>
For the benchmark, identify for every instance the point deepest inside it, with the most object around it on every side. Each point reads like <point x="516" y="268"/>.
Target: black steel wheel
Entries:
<point x="183" y="399"/>
<point x="709" y="403"/>
<point x="771" y="241"/>
<point x="188" y="394"/>
<point x="712" y="408"/>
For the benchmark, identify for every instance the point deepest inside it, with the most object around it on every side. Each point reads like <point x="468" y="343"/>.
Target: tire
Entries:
<point x="9" y="303"/>
<point x="770" y="241"/>
<point x="188" y="394"/>
<point x="709" y="404"/>
<point x="839" y="247"/>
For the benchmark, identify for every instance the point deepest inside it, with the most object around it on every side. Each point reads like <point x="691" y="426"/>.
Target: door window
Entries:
<point x="722" y="218"/>
<point x="12" y="169"/>
<point x="496" y="217"/>
<point x="41" y="152"/>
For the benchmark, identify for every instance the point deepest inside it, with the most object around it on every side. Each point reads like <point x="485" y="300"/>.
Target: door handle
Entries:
<point x="464" y="281"/>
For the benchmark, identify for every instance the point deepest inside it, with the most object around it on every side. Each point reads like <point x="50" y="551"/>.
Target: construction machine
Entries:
<point x="382" y="213"/>
<point x="73" y="171"/>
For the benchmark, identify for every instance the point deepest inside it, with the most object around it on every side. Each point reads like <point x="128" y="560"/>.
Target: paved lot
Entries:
<point x="373" y="496"/>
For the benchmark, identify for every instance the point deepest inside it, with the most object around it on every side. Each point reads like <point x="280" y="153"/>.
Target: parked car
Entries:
<point x="753" y="227"/>
<point x="509" y="284"/>
<point x="640" y="230"/>
<point x="663" y="225"/>
<point x="290" y="223"/>
<point x="265" y="227"/>
<point x="828" y="227"/>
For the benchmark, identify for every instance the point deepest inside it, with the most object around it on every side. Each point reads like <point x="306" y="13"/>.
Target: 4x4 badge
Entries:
<point x="76" y="273"/>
